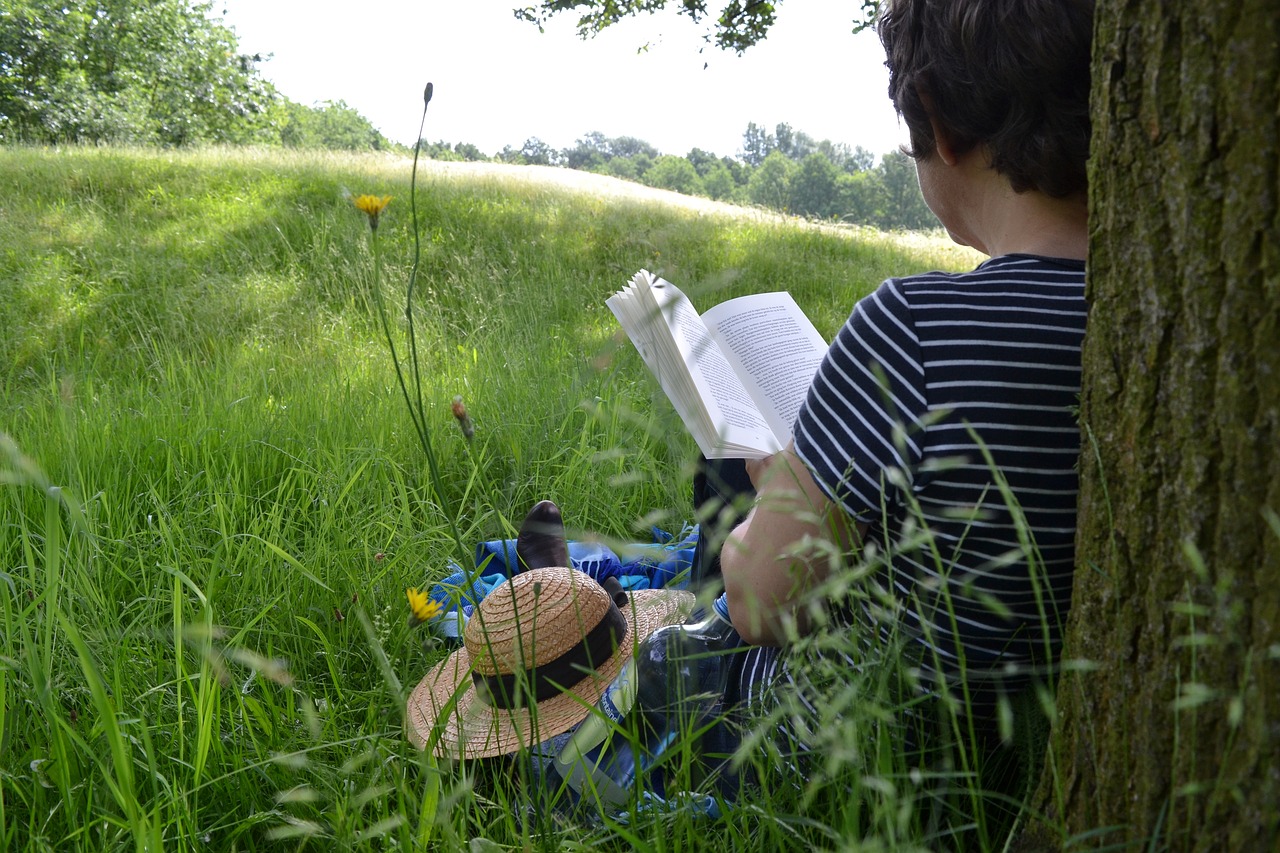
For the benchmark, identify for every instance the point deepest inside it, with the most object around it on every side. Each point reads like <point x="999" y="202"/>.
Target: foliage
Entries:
<point x="331" y="124"/>
<point x="737" y="26"/>
<point x="770" y="185"/>
<point x="145" y="71"/>
<point x="674" y="173"/>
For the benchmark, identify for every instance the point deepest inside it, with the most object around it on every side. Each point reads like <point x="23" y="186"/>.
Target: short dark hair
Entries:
<point x="1009" y="75"/>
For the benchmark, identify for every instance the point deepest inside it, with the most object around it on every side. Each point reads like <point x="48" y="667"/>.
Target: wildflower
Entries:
<point x="423" y="608"/>
<point x="464" y="420"/>
<point x="371" y="205"/>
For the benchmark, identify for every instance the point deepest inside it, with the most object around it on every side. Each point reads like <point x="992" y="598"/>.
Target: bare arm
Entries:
<point x="782" y="548"/>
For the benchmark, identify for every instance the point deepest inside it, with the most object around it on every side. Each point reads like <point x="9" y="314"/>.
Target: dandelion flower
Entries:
<point x="424" y="609"/>
<point x="371" y="205"/>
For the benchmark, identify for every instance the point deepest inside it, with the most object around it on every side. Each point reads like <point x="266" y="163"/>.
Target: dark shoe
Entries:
<point x="541" y="543"/>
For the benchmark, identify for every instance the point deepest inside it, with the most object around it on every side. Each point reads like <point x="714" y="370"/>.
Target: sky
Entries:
<point x="498" y="81"/>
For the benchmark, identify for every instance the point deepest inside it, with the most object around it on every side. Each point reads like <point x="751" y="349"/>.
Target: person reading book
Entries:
<point x="945" y="404"/>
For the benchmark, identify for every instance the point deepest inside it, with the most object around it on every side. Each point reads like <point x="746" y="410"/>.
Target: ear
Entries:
<point x="941" y="136"/>
<point x="942" y="143"/>
<point x="541" y="543"/>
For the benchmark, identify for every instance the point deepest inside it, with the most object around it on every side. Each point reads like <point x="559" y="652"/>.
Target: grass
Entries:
<point x="214" y="498"/>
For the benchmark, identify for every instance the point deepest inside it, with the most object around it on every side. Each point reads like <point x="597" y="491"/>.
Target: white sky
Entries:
<point x="498" y="81"/>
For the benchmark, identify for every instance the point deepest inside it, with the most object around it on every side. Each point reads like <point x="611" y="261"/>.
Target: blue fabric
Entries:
<point x="663" y="563"/>
<point x="640" y="566"/>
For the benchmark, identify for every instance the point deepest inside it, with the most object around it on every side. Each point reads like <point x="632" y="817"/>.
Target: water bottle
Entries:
<point x="597" y="762"/>
<point x="674" y="682"/>
<point x="681" y="674"/>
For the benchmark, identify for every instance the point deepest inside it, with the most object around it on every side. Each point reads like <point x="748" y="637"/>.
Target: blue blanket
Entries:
<point x="665" y="562"/>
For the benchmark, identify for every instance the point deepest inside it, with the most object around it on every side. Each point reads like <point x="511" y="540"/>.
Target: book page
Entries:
<point x="776" y="350"/>
<point x="706" y="391"/>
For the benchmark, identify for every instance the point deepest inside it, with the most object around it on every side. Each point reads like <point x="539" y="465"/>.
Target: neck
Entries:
<point x="1031" y="223"/>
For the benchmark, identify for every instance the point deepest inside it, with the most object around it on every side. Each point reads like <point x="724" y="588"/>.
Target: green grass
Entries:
<point x="214" y="497"/>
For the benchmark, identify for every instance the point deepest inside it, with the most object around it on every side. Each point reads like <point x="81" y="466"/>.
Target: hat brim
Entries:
<point x="445" y="706"/>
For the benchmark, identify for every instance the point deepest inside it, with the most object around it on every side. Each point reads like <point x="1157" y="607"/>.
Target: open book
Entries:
<point x="736" y="375"/>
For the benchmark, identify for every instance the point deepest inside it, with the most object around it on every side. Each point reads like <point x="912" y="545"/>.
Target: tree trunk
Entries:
<point x="1175" y="736"/>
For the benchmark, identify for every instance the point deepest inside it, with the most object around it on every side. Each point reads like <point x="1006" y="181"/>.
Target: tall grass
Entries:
<point x="214" y="498"/>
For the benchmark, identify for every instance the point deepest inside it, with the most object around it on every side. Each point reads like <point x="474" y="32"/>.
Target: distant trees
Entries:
<point x="331" y="124"/>
<point x="784" y="169"/>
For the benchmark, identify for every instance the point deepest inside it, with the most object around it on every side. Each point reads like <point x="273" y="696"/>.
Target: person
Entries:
<point x="938" y="439"/>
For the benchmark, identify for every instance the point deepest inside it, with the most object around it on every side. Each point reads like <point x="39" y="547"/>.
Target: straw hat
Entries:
<point x="551" y="632"/>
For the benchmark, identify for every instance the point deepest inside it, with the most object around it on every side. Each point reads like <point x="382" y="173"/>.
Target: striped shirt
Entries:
<point x="944" y="418"/>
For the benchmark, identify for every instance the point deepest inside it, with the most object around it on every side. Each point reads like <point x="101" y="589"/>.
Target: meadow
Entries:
<point x="213" y="497"/>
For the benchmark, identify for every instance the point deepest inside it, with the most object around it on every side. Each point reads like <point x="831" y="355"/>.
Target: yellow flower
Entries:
<point x="424" y="609"/>
<point x="371" y="205"/>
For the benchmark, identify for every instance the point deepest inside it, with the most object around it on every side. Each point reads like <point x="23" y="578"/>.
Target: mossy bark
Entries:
<point x="1175" y="736"/>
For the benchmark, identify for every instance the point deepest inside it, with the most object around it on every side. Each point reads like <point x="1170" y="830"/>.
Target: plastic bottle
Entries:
<point x="675" y="681"/>
<point x="681" y="673"/>
<point x="595" y="763"/>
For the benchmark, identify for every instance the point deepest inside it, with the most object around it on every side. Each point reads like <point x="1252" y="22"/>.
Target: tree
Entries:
<point x="332" y="124"/>
<point x="630" y="146"/>
<point x="535" y="152"/>
<point x="590" y="153"/>
<point x="770" y="185"/>
<point x="796" y="144"/>
<point x="757" y="144"/>
<point x="902" y="205"/>
<point x="718" y="182"/>
<point x="814" y="189"/>
<point x="703" y="161"/>
<point x="126" y="70"/>
<point x="860" y="197"/>
<point x="670" y="172"/>
<point x="738" y="25"/>
<point x="1175" y="735"/>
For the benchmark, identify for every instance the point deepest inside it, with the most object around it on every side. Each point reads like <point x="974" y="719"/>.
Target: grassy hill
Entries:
<point x="213" y="497"/>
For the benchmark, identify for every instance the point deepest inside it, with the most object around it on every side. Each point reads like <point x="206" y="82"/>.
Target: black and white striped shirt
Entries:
<point x="947" y="404"/>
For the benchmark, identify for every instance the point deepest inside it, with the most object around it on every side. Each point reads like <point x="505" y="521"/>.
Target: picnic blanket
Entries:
<point x="662" y="563"/>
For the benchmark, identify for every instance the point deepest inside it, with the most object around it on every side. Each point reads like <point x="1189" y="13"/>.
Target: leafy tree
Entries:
<point x="738" y="25"/>
<point x="815" y="187"/>
<point x="535" y="152"/>
<point x="902" y="204"/>
<point x="589" y="154"/>
<point x="460" y="151"/>
<point x="770" y="185"/>
<point x="757" y="144"/>
<point x="674" y="173"/>
<point x="332" y="124"/>
<point x="469" y="152"/>
<point x="629" y="146"/>
<point x="855" y="159"/>
<point x="860" y="197"/>
<point x="126" y="70"/>
<point x="718" y="182"/>
<point x="622" y="167"/>
<point x="796" y="144"/>
<point x="703" y="161"/>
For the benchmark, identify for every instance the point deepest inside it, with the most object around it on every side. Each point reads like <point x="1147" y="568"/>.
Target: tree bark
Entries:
<point x="1175" y="734"/>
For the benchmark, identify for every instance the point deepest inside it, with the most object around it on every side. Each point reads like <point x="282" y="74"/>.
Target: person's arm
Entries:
<point x="785" y="546"/>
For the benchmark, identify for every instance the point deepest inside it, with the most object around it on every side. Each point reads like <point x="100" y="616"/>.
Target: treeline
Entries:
<point x="149" y="72"/>
<point x="785" y="170"/>
<point x="169" y="72"/>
